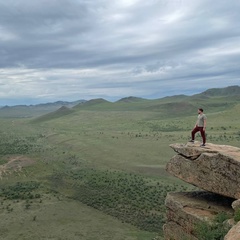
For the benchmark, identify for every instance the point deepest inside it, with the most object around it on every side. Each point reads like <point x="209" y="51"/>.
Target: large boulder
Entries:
<point x="234" y="233"/>
<point x="185" y="210"/>
<point x="214" y="168"/>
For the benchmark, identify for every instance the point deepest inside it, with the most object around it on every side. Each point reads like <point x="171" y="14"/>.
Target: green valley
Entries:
<point x="96" y="170"/>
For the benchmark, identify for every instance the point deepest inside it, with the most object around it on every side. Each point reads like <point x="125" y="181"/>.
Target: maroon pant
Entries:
<point x="197" y="129"/>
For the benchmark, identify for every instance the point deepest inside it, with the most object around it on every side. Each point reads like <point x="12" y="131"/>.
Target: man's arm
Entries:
<point x="196" y="124"/>
<point x="204" y="124"/>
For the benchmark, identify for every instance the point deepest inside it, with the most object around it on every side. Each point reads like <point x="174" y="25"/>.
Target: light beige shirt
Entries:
<point x="200" y="121"/>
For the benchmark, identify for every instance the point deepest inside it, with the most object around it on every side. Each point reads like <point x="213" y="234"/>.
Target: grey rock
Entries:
<point x="214" y="168"/>
<point x="185" y="210"/>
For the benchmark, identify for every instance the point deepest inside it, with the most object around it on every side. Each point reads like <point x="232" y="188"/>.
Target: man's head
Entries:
<point x="200" y="110"/>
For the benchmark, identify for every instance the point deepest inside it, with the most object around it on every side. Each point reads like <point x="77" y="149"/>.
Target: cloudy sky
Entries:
<point x="82" y="49"/>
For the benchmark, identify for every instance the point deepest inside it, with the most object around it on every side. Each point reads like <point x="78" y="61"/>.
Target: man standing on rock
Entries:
<point x="200" y="126"/>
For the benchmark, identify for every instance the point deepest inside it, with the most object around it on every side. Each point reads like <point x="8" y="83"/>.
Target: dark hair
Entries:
<point x="200" y="109"/>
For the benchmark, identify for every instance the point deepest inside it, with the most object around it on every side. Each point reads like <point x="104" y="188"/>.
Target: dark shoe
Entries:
<point x="192" y="141"/>
<point x="202" y="145"/>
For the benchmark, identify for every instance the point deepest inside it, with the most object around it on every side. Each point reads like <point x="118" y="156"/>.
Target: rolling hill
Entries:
<point x="221" y="92"/>
<point x="101" y="164"/>
<point x="93" y="104"/>
<point x="213" y="100"/>
<point x="29" y="111"/>
<point x="131" y="99"/>
<point x="62" y="111"/>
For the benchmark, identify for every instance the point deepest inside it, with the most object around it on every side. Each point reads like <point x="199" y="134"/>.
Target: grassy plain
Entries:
<point x="98" y="172"/>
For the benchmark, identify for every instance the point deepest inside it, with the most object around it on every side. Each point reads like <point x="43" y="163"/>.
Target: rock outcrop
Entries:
<point x="215" y="169"/>
<point x="234" y="233"/>
<point x="188" y="209"/>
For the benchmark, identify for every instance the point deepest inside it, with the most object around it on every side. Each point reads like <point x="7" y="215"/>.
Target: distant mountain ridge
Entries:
<point x="212" y="99"/>
<point x="28" y="111"/>
<point x="131" y="99"/>
<point x="221" y="92"/>
<point x="57" y="103"/>
<point x="62" y="103"/>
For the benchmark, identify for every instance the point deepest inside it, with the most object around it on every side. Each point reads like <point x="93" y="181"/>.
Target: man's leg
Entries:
<point x="194" y="131"/>
<point x="203" y="135"/>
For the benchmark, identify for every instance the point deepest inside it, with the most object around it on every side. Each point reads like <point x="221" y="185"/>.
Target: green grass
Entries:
<point x="57" y="217"/>
<point x="214" y="231"/>
<point x="237" y="215"/>
<point x="100" y="167"/>
<point x="20" y="190"/>
<point x="129" y="197"/>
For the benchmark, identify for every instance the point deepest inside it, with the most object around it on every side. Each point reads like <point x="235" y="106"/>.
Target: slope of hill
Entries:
<point x="172" y="106"/>
<point x="61" y="112"/>
<point x="28" y="111"/>
<point x="61" y="103"/>
<point x="221" y="92"/>
<point x="174" y="98"/>
<point x="213" y="100"/>
<point x="131" y="99"/>
<point x="172" y="109"/>
<point x="92" y="102"/>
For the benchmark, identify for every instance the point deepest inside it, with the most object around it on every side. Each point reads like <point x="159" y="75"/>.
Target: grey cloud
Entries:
<point x="130" y="45"/>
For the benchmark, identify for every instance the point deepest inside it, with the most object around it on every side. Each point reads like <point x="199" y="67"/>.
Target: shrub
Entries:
<point x="215" y="231"/>
<point x="20" y="190"/>
<point x="129" y="197"/>
<point x="237" y="215"/>
<point x="221" y="217"/>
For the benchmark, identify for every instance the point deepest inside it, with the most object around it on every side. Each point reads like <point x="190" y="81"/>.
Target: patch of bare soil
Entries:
<point x="15" y="164"/>
<point x="200" y="212"/>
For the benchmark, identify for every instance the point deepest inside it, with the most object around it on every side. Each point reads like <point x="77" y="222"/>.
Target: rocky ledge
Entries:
<point x="185" y="210"/>
<point x="214" y="168"/>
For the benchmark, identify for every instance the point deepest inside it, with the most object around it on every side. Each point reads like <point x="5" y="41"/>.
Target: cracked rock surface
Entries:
<point x="214" y="168"/>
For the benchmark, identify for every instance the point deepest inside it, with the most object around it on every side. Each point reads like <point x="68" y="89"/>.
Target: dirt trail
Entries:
<point x="14" y="164"/>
